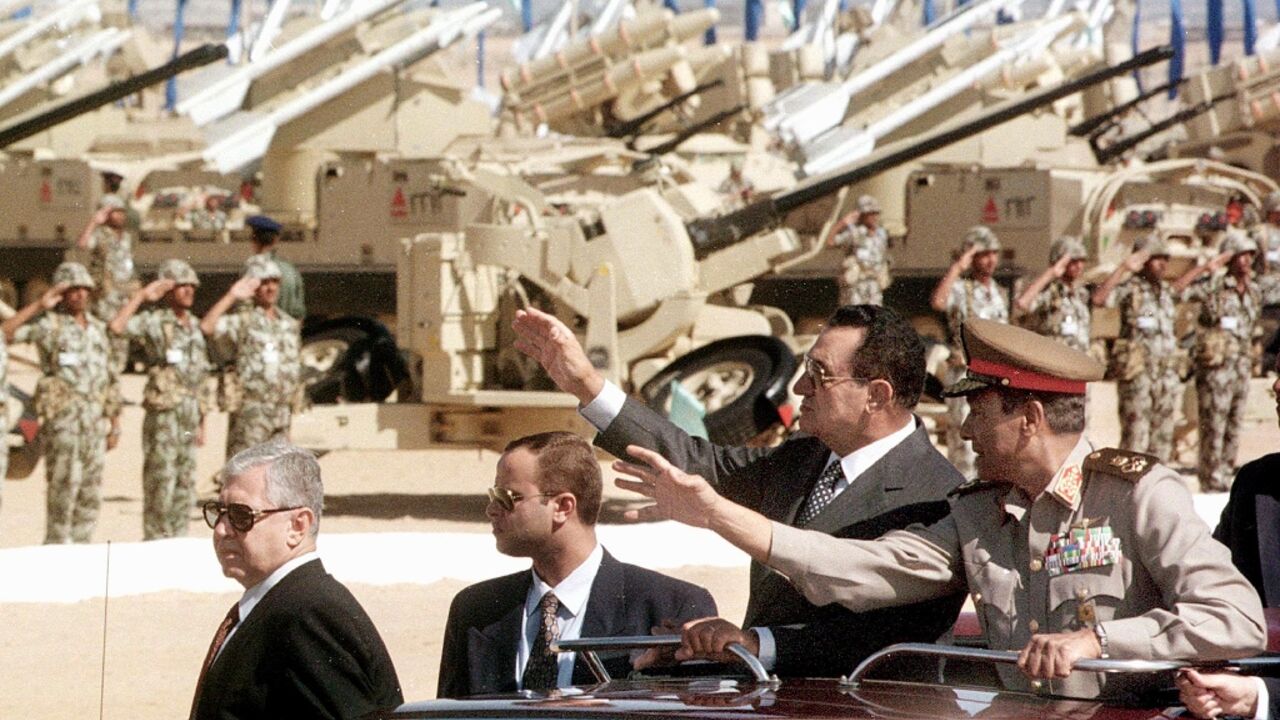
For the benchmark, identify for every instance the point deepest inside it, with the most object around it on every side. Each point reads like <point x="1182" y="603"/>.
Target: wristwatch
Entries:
<point x="1101" y="634"/>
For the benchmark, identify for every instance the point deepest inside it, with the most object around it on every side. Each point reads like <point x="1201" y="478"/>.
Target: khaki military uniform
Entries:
<point x="267" y="368"/>
<point x="292" y="294"/>
<point x="1144" y="364"/>
<point x="968" y="300"/>
<point x="864" y="272"/>
<point x="177" y="367"/>
<point x="1114" y="540"/>
<point x="111" y="267"/>
<point x="1061" y="312"/>
<point x="75" y="398"/>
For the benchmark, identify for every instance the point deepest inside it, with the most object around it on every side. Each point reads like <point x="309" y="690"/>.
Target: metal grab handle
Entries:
<point x="589" y="646"/>
<point x="1010" y="657"/>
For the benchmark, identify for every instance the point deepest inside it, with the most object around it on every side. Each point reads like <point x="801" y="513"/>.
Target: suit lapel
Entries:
<point x="807" y="470"/>
<point x="605" y="606"/>
<point x="495" y="646"/>
<point x="875" y="491"/>
<point x="1267" y="509"/>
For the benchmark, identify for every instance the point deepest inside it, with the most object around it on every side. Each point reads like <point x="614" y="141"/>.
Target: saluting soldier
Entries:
<point x="1069" y="551"/>
<point x="1230" y="305"/>
<point x="1143" y="357"/>
<point x="177" y="367"/>
<point x="1057" y="302"/>
<point x="967" y="291"/>
<point x="111" y="267"/>
<point x="77" y="399"/>
<point x="263" y="384"/>
<point x="864" y="273"/>
<point x="266" y="232"/>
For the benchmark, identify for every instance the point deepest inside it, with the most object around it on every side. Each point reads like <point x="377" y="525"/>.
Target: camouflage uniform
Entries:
<point x="866" y="265"/>
<point x="177" y="366"/>
<point x="969" y="299"/>
<point x="292" y="296"/>
<point x="111" y="266"/>
<point x="75" y="396"/>
<point x="1149" y="389"/>
<point x="265" y="357"/>
<point x="1061" y="311"/>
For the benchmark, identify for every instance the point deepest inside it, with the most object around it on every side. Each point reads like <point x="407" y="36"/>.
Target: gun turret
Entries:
<point x="636" y="125"/>
<point x="23" y="128"/>
<point x="1114" y="150"/>
<point x="711" y="234"/>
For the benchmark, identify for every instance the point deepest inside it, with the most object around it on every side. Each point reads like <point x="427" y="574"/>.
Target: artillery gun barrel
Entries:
<point x="26" y="127"/>
<point x="694" y="129"/>
<point x="711" y="234"/>
<point x="1087" y="127"/>
<point x="1106" y="154"/>
<point x="636" y="124"/>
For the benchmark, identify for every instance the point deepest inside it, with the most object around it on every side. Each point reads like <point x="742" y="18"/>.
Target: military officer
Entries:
<point x="976" y="295"/>
<point x="177" y="367"/>
<point x="263" y="385"/>
<point x="111" y="267"/>
<point x="1143" y="358"/>
<point x="1230" y="305"/>
<point x="864" y="272"/>
<point x="1069" y="551"/>
<point x="1057" y="302"/>
<point x="266" y="232"/>
<point x="76" y="399"/>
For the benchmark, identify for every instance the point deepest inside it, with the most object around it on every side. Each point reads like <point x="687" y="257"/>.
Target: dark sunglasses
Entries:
<point x="241" y="517"/>
<point x="507" y="499"/>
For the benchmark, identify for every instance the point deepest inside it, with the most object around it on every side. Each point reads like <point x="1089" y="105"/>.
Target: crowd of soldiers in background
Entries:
<point x="82" y="328"/>
<point x="1145" y="361"/>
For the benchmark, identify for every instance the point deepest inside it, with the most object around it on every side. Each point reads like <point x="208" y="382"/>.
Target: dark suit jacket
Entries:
<point x="908" y="485"/>
<point x="1250" y="526"/>
<point x="482" y="634"/>
<point x="307" y="650"/>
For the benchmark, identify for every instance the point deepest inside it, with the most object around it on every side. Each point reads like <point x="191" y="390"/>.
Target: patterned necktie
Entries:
<point x="219" y="637"/>
<point x="543" y="667"/>
<point x="823" y="492"/>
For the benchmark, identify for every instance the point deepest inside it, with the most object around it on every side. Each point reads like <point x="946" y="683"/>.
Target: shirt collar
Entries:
<point x="573" y="591"/>
<point x="858" y="461"/>
<point x="254" y="595"/>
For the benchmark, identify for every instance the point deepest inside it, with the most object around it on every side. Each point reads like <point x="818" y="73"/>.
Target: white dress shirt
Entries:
<point x="573" y="593"/>
<point x="607" y="405"/>
<point x="254" y="595"/>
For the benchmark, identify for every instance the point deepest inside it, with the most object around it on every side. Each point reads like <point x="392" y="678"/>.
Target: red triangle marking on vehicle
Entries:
<point x="990" y="213"/>
<point x="399" y="208"/>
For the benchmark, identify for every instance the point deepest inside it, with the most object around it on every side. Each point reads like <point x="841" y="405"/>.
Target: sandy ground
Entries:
<point x="51" y="652"/>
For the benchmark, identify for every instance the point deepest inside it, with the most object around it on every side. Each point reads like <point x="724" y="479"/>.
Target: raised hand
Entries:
<point x="244" y="288"/>
<point x="549" y="341"/>
<point x="156" y="289"/>
<point x="51" y="297"/>
<point x="677" y="495"/>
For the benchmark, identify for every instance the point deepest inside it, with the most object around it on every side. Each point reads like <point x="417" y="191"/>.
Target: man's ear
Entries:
<point x="300" y="525"/>
<point x="879" y="394"/>
<point x="565" y="505"/>
<point x="1033" y="417"/>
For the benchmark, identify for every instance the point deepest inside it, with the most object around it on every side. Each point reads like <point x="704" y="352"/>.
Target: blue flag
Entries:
<point x="710" y="37"/>
<point x="754" y="13"/>
<point x="1135" y="40"/>
<point x="1177" y="38"/>
<point x="171" y="87"/>
<point x="930" y="14"/>
<point x="1250" y="26"/>
<point x="1213" y="29"/>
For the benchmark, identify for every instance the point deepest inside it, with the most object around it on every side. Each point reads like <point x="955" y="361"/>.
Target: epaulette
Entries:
<point x="969" y="486"/>
<point x="1130" y="466"/>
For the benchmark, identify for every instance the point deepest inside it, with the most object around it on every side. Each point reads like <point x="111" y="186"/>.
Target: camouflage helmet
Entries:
<point x="868" y="204"/>
<point x="112" y="201"/>
<point x="981" y="237"/>
<point x="1271" y="203"/>
<point x="1249" y="216"/>
<point x="1067" y="245"/>
<point x="1236" y="242"/>
<point x="74" y="275"/>
<point x="262" y="267"/>
<point x="179" y="271"/>
<point x="1153" y="244"/>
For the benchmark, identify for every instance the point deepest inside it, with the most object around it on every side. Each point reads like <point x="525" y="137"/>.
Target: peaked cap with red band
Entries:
<point x="1001" y="355"/>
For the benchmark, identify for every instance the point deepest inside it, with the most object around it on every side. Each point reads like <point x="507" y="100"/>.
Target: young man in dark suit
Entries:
<point x="297" y="644"/>
<point x="543" y="506"/>
<point x="862" y="465"/>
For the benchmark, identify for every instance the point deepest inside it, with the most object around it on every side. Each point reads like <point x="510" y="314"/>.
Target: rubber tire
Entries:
<point x="368" y="370"/>
<point x="773" y="365"/>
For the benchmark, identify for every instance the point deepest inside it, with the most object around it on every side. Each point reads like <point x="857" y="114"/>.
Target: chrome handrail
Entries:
<point x="589" y="646"/>
<point x="1010" y="657"/>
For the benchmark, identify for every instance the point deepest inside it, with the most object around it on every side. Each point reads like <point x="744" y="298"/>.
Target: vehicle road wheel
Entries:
<point x="350" y="359"/>
<point x="742" y="381"/>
